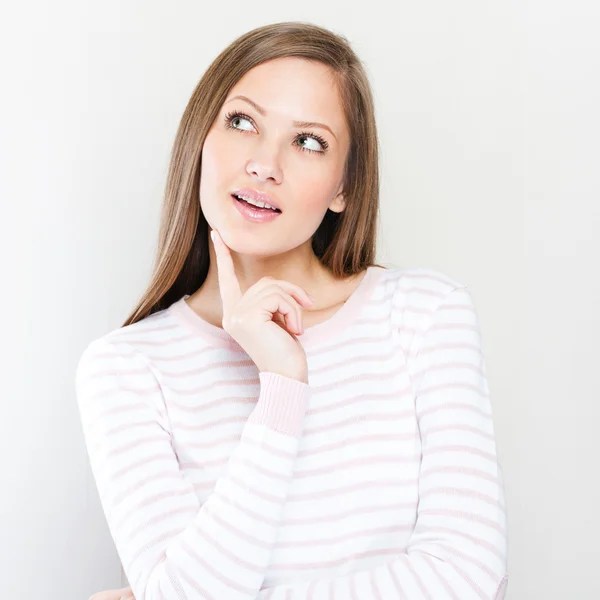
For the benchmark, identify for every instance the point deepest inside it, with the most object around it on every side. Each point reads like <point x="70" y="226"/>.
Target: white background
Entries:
<point x="488" y="115"/>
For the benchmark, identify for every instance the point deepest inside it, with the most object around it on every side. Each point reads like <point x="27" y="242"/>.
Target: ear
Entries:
<point x="338" y="204"/>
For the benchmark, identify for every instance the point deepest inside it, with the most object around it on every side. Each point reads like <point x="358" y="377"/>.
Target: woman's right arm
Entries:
<point x="170" y="546"/>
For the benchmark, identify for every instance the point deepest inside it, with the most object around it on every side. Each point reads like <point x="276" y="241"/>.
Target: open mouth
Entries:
<point x="254" y="207"/>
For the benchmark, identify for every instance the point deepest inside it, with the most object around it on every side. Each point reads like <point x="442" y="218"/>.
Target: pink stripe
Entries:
<point x="374" y="589"/>
<point x="438" y="529"/>
<point x="240" y="562"/>
<point x="426" y="431"/>
<point x="206" y="407"/>
<point x="209" y="425"/>
<point x="356" y="462"/>
<point x="263" y="445"/>
<point x="439" y="576"/>
<point x="422" y="291"/>
<point x="329" y="564"/>
<point x="459" y="514"/>
<point x="163" y="516"/>
<point x="142" y="462"/>
<point x="350" y="442"/>
<point x="124" y="449"/>
<point x="353" y="585"/>
<point x="451" y="346"/>
<point x="112" y="392"/>
<point x="454" y="406"/>
<point x="245" y="510"/>
<point x="192" y="583"/>
<point x="412" y="276"/>
<point x="458" y="385"/>
<point x="395" y="580"/>
<point x="373" y="418"/>
<point x="235" y="530"/>
<point x="351" y="380"/>
<point x="358" y="359"/>
<point x="469" y="581"/>
<point x="254" y="466"/>
<point x="216" y="574"/>
<point x="451" y="366"/>
<point x="140" y="483"/>
<point x="158" y="541"/>
<point x="464" y="449"/>
<point x="463" y="493"/>
<point x="411" y="568"/>
<point x="148" y="501"/>
<point x="219" y="462"/>
<point x="307" y="496"/>
<point x="454" y="327"/>
<point x="351" y="400"/>
<point x="470" y="559"/>
<point x="477" y="473"/>
<point x="248" y="486"/>
<point x="349" y="537"/>
<point x="342" y="515"/>
<point x="501" y="591"/>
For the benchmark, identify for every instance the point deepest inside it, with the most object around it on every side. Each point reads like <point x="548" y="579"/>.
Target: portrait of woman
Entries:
<point x="280" y="416"/>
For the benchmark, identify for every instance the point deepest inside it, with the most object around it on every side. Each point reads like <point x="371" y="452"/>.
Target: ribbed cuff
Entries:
<point x="282" y="403"/>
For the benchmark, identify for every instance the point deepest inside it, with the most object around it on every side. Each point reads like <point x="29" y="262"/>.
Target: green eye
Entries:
<point x="235" y="115"/>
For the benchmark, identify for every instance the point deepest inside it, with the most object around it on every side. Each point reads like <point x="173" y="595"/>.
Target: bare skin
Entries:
<point x="330" y="295"/>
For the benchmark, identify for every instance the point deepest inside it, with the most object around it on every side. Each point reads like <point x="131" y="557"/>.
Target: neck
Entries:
<point x="299" y="266"/>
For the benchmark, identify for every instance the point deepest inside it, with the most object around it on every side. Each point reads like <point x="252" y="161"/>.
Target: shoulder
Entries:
<point x="127" y="344"/>
<point x="421" y="287"/>
<point x="417" y="294"/>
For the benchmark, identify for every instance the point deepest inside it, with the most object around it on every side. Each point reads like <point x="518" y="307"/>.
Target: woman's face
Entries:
<point x="269" y="153"/>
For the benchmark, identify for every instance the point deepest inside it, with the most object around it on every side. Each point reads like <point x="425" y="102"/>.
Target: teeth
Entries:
<point x="256" y="202"/>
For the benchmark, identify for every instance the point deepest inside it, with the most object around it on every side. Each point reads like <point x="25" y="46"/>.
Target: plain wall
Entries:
<point x="489" y="129"/>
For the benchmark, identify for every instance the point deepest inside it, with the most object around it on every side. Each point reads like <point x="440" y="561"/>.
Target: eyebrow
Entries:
<point x="263" y="112"/>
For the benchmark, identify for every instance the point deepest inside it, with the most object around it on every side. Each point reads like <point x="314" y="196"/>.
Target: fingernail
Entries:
<point x="212" y="235"/>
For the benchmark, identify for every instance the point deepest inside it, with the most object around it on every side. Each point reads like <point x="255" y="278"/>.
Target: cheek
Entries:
<point x="214" y="157"/>
<point x="316" y="192"/>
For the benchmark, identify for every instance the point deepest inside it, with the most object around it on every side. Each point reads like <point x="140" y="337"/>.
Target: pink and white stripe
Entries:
<point x="377" y="480"/>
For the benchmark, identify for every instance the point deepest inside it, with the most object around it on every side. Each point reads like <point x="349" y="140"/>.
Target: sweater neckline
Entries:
<point x="313" y="335"/>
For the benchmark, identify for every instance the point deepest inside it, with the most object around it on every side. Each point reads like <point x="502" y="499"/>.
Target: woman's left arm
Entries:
<point x="458" y="549"/>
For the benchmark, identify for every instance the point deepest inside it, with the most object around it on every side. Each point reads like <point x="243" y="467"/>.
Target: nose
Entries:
<point x="264" y="167"/>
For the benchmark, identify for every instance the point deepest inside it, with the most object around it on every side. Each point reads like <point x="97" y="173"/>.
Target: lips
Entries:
<point x="277" y="210"/>
<point x="258" y="196"/>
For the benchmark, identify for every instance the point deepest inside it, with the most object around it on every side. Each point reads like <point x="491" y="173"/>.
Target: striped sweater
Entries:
<point x="376" y="480"/>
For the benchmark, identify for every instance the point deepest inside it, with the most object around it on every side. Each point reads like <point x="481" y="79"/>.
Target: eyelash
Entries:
<point x="234" y="114"/>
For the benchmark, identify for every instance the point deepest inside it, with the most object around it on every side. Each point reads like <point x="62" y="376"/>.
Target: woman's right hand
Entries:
<point x="248" y="317"/>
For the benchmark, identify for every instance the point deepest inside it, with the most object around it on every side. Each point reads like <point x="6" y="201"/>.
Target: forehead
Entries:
<point x="294" y="89"/>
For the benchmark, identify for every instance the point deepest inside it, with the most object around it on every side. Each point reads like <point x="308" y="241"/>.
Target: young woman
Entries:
<point x="281" y="417"/>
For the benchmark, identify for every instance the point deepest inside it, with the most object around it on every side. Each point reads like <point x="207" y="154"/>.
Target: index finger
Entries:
<point x="229" y="285"/>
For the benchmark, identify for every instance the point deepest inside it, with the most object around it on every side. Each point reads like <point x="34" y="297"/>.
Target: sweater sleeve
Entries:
<point x="170" y="546"/>
<point x="458" y="549"/>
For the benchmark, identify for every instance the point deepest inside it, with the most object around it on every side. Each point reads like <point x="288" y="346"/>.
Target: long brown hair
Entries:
<point x="344" y="242"/>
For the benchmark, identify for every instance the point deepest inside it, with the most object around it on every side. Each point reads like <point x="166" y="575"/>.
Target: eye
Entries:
<point x="235" y="116"/>
<point x="316" y="138"/>
<point x="232" y="117"/>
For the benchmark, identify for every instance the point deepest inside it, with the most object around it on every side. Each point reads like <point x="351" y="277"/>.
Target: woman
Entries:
<point x="281" y="417"/>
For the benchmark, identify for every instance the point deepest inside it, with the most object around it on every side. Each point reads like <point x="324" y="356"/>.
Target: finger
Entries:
<point x="296" y="325"/>
<point x="294" y="290"/>
<point x="278" y="302"/>
<point x="229" y="286"/>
